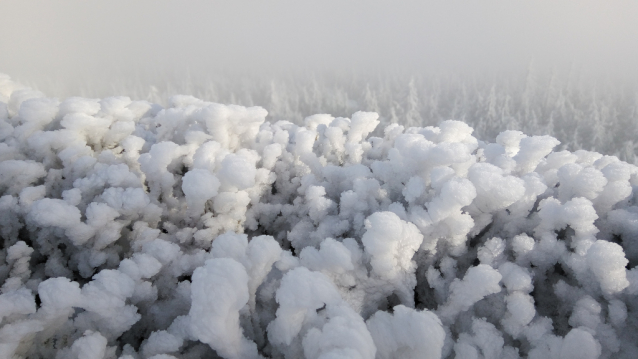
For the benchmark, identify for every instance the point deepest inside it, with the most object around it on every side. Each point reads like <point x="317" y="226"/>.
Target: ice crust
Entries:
<point x="198" y="230"/>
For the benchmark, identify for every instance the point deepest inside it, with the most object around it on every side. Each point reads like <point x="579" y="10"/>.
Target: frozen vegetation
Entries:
<point x="199" y="230"/>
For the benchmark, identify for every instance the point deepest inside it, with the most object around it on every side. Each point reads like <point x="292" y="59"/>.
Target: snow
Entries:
<point x="407" y="333"/>
<point x="130" y="230"/>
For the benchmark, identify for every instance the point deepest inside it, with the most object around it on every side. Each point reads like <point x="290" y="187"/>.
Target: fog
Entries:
<point x="67" y="47"/>
<point x="338" y="179"/>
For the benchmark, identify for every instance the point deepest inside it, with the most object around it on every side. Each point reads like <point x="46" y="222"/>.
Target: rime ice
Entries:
<point x="135" y="231"/>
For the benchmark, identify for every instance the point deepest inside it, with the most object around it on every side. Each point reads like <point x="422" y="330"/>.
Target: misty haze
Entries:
<point x="318" y="179"/>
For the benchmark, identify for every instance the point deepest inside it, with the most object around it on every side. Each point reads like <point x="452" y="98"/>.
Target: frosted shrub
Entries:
<point x="202" y="230"/>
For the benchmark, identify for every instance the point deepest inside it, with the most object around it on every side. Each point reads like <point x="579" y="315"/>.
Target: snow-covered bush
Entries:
<point x="202" y="230"/>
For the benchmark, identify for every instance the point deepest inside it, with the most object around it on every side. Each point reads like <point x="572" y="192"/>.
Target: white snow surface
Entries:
<point x="198" y="230"/>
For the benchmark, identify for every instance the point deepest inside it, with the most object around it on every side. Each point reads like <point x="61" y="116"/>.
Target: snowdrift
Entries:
<point x="202" y="230"/>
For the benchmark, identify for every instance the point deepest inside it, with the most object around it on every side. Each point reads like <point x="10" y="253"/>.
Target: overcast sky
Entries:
<point x="78" y="39"/>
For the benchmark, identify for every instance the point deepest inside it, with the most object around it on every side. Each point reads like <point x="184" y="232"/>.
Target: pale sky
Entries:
<point x="81" y="40"/>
